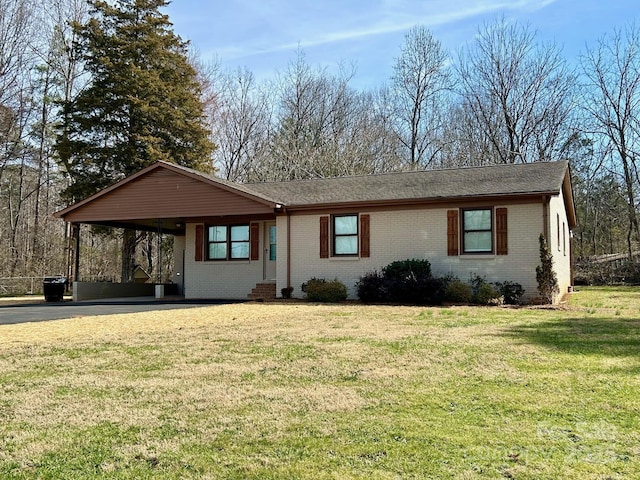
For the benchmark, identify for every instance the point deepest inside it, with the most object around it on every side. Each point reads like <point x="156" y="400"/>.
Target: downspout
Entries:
<point x="288" y="249"/>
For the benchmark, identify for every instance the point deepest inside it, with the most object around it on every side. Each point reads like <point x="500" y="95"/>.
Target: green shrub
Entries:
<point x="312" y="280"/>
<point x="404" y="281"/>
<point x="370" y="287"/>
<point x="458" y="292"/>
<point x="401" y="268"/>
<point x="511" y="292"/>
<point x="545" y="274"/>
<point x="483" y="292"/>
<point x="319" y="290"/>
<point x="486" y="295"/>
<point x="410" y="281"/>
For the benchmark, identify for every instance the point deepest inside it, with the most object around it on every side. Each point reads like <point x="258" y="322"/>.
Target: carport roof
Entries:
<point x="166" y="196"/>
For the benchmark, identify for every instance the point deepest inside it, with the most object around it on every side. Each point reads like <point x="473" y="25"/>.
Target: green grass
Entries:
<point x="273" y="391"/>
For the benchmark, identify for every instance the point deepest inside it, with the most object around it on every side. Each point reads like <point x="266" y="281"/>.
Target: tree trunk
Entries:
<point x="128" y="255"/>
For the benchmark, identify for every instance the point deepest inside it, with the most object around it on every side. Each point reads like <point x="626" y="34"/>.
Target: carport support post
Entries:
<point x="76" y="268"/>
<point x="159" y="286"/>
<point x="159" y="252"/>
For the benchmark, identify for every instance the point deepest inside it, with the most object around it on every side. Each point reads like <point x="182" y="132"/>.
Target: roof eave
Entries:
<point x="418" y="201"/>
<point x="567" y="191"/>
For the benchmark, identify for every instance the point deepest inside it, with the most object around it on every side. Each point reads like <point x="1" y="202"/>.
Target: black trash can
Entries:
<point x="54" y="287"/>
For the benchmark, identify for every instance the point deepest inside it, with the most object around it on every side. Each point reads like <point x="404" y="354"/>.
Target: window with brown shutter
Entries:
<point x="228" y="242"/>
<point x="199" y="242"/>
<point x="324" y="237"/>
<point x="364" y="235"/>
<point x="476" y="229"/>
<point x="344" y="231"/>
<point x="452" y="232"/>
<point x="502" y="246"/>
<point x="255" y="241"/>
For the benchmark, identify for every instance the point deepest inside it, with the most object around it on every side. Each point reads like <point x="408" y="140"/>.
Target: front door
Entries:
<point x="270" y="251"/>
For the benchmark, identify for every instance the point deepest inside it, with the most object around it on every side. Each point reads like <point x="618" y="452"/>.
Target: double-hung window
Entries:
<point x="228" y="242"/>
<point x="477" y="227"/>
<point x="345" y="235"/>
<point x="477" y="231"/>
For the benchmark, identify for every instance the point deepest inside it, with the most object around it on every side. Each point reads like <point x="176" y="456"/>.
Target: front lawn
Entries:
<point x="282" y="391"/>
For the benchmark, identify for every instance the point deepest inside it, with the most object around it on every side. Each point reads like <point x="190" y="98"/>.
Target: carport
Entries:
<point x="161" y="198"/>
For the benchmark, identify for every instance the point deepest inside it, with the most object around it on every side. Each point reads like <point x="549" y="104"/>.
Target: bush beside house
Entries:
<point x="405" y="281"/>
<point x="321" y="290"/>
<point x="412" y="282"/>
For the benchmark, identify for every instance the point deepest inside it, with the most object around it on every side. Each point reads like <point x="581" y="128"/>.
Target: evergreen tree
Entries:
<point x="545" y="274"/>
<point x="142" y="103"/>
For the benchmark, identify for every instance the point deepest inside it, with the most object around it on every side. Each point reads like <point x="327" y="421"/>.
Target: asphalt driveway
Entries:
<point x="39" y="312"/>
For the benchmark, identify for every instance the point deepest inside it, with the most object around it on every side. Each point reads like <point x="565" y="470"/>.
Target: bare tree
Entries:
<point x="371" y="144"/>
<point x="313" y="118"/>
<point x="16" y="109"/>
<point x="420" y="80"/>
<point x="612" y="101"/>
<point x="241" y="123"/>
<point x="464" y="143"/>
<point x="56" y="72"/>
<point x="518" y="93"/>
<point x="15" y="32"/>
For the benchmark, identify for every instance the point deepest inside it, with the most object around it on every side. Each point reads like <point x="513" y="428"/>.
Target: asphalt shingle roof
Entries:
<point x="532" y="178"/>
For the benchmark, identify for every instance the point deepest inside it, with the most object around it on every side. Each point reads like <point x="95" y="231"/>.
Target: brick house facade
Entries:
<point x="232" y="238"/>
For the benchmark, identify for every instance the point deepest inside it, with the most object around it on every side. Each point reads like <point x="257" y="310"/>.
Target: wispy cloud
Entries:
<point x="386" y="17"/>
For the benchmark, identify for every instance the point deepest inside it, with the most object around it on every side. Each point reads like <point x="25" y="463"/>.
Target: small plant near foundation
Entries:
<point x="458" y="292"/>
<point x="511" y="292"/>
<point x="286" y="292"/>
<point x="483" y="292"/>
<point x="321" y="290"/>
<point x="487" y="295"/>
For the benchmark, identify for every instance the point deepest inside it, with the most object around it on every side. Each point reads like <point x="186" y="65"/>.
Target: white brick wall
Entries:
<point x="224" y="280"/>
<point x="395" y="235"/>
<point x="559" y="240"/>
<point x="420" y="233"/>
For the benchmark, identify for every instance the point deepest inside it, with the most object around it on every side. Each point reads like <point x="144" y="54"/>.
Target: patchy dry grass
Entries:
<point x="312" y="391"/>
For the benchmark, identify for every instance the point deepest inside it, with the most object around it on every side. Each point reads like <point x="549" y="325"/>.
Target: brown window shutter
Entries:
<point x="324" y="237"/>
<point x="199" y="242"/>
<point x="364" y="235"/>
<point x="254" y="240"/>
<point x="452" y="232"/>
<point x="502" y="246"/>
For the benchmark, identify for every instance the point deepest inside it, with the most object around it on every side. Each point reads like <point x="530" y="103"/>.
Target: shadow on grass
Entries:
<point x="584" y="335"/>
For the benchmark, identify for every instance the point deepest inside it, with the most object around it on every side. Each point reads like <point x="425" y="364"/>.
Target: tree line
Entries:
<point x="91" y="91"/>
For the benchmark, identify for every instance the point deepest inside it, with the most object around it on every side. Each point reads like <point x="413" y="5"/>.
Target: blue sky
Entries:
<point x="264" y="35"/>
